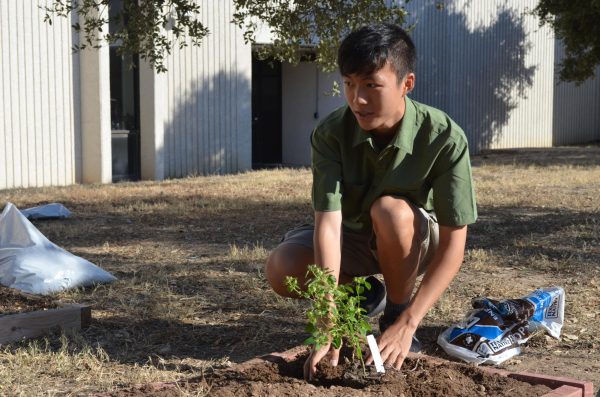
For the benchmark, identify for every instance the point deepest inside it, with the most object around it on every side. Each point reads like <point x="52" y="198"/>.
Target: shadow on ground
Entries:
<point x="556" y="234"/>
<point x="238" y="340"/>
<point x="577" y="156"/>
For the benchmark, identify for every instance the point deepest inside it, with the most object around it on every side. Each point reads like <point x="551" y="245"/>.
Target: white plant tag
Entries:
<point x="375" y="353"/>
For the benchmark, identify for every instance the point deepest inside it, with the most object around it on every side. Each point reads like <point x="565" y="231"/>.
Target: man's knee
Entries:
<point x="274" y="269"/>
<point x="286" y="260"/>
<point x="392" y="212"/>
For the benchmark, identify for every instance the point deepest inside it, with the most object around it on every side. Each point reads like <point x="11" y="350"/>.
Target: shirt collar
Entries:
<point x="404" y="138"/>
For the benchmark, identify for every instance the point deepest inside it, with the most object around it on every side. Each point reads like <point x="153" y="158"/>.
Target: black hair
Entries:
<point x="367" y="49"/>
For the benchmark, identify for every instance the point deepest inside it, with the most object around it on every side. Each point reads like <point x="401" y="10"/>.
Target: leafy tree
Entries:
<point x="140" y="26"/>
<point x="575" y="22"/>
<point x="318" y="24"/>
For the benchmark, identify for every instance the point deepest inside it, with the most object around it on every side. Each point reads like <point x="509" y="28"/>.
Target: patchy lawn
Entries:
<point x="191" y="293"/>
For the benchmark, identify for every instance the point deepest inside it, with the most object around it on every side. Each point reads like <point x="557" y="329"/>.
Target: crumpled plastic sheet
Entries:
<point x="47" y="211"/>
<point x="32" y="263"/>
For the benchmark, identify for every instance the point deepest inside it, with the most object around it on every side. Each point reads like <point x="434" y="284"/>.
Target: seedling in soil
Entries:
<point x="335" y="313"/>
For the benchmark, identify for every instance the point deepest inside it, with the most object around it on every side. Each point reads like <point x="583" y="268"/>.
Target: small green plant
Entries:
<point x="335" y="313"/>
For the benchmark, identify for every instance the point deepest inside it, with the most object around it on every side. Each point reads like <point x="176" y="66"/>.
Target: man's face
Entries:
<point x="377" y="100"/>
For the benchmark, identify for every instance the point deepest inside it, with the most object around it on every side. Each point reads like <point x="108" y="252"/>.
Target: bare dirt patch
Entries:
<point x="277" y="377"/>
<point x="192" y="296"/>
<point x="420" y="378"/>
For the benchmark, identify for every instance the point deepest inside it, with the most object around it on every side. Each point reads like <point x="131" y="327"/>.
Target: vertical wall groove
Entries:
<point x="45" y="108"/>
<point x="20" y="97"/>
<point x="3" y="102"/>
<point x="34" y="54"/>
<point x="236" y="83"/>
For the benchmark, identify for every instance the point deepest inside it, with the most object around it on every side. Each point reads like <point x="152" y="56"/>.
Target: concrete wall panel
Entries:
<point x="490" y="67"/>
<point x="576" y="116"/>
<point x="39" y="110"/>
<point x="208" y="117"/>
<point x="306" y="99"/>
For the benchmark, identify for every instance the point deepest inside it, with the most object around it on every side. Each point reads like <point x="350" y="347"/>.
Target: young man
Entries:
<point x="392" y="192"/>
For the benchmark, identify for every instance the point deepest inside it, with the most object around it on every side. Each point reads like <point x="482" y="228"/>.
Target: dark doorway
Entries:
<point x="124" y="110"/>
<point x="266" y="113"/>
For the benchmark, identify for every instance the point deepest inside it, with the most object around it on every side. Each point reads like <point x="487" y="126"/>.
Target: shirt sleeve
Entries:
<point x="453" y="192"/>
<point x="327" y="172"/>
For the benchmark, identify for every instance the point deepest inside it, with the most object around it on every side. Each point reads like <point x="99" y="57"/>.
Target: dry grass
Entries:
<point x="191" y="294"/>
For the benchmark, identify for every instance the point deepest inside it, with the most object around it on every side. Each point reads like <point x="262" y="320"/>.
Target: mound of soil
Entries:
<point x="13" y="301"/>
<point x="418" y="377"/>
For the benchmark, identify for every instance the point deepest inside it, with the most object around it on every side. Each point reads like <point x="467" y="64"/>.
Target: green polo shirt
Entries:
<point x="426" y="162"/>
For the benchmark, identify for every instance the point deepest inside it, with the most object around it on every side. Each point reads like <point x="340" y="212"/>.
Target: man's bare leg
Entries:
<point x="395" y="223"/>
<point x="288" y="260"/>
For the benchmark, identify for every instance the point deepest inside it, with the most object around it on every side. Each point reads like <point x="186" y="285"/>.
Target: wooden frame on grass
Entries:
<point x="69" y="318"/>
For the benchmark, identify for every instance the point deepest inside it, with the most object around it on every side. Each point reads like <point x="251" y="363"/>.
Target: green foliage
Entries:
<point x="300" y="28"/>
<point x="575" y="22"/>
<point x="311" y="24"/>
<point x="139" y="27"/>
<point x="335" y="312"/>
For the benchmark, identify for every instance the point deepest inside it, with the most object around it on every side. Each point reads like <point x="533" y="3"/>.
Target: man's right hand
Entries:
<point x="328" y="255"/>
<point x="316" y="355"/>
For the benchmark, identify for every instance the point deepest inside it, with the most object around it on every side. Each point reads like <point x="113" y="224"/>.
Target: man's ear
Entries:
<point x="408" y="83"/>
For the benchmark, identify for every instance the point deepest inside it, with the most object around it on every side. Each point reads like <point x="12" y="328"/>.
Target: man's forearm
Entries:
<point x="327" y="241"/>
<point x="440" y="273"/>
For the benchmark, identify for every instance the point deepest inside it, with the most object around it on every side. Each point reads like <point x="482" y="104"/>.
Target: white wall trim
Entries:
<point x="153" y="105"/>
<point x="95" y="114"/>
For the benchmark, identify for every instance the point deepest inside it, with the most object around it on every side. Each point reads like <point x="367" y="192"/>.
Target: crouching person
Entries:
<point x="392" y="194"/>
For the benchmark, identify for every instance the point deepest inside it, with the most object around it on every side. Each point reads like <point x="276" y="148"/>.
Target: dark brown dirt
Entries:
<point x="419" y="377"/>
<point x="13" y="301"/>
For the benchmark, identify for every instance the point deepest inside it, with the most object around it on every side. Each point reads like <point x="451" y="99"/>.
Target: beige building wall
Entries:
<point x="576" y="118"/>
<point x="307" y="98"/>
<point x="40" y="134"/>
<point x="207" y="124"/>
<point x="490" y="67"/>
<point x="487" y="64"/>
<point x="55" y="104"/>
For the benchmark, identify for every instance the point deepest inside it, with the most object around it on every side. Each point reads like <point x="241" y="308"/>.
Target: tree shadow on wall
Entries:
<point x="209" y="131"/>
<point x="478" y="76"/>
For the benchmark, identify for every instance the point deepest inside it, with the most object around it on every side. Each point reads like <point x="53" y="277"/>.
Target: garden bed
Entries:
<point x="421" y="375"/>
<point x="25" y="316"/>
<point x="13" y="301"/>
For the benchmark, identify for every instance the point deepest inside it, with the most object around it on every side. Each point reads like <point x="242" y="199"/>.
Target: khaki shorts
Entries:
<point x="359" y="253"/>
